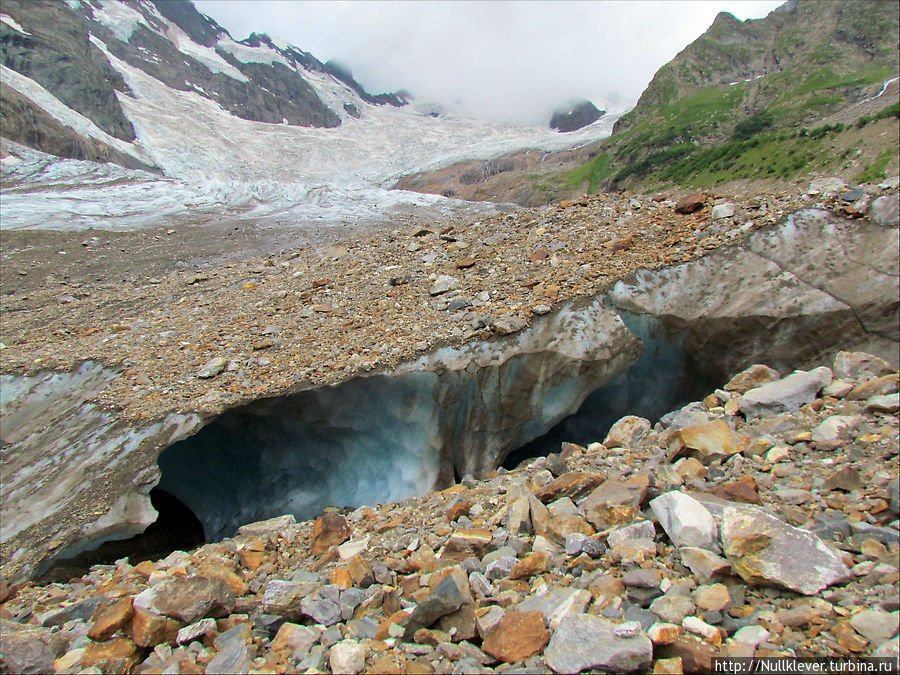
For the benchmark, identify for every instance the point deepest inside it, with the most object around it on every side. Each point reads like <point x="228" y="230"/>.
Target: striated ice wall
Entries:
<point x="387" y="437"/>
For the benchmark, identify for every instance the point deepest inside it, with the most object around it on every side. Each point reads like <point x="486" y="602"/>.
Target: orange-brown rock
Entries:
<point x="536" y="562"/>
<point x="110" y="618"/>
<point x="518" y="636"/>
<point x="111" y="650"/>
<point x="690" y="204"/>
<point x="330" y="529"/>
<point x="573" y="484"/>
<point x="742" y="490"/>
<point x="148" y="629"/>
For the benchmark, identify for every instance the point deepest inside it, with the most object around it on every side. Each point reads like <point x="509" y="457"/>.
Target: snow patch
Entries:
<point x="248" y="54"/>
<point x="205" y="55"/>
<point x="12" y="23"/>
<point x="121" y="19"/>
<point x="64" y="114"/>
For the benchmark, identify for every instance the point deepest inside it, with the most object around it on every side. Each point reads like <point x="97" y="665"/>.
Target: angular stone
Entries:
<point x="110" y="618"/>
<point x="751" y="635"/>
<point x="447" y="597"/>
<point x="885" y="403"/>
<point x="642" y="530"/>
<point x="25" y="650"/>
<point x="696" y="654"/>
<point x="662" y="633"/>
<point x="283" y="597"/>
<point x="536" y="562"/>
<point x="764" y="550"/>
<point x="469" y="541"/>
<point x="673" y="666"/>
<point x="212" y="367"/>
<point x="282" y="525"/>
<point x="487" y="618"/>
<point x="707" y="442"/>
<point x="347" y="656"/>
<point x="329" y="529"/>
<point x="634" y="551"/>
<point x="672" y="608"/>
<point x="723" y="211"/>
<point x="577" y="543"/>
<point x="751" y="378"/>
<point x="615" y="501"/>
<point x="196" y="630"/>
<point x="191" y="598"/>
<point x="742" y="490"/>
<point x="517" y="636"/>
<point x="686" y="521"/>
<point x="557" y="604"/>
<point x="585" y="642"/>
<point x="876" y="625"/>
<point x="573" y="484"/>
<point x="233" y="656"/>
<point x="627" y="432"/>
<point x="641" y="578"/>
<point x="698" y="626"/>
<point x="706" y="565"/>
<point x="518" y="518"/>
<point x="100" y="653"/>
<point x="509" y="324"/>
<point x="887" y="384"/>
<point x="785" y="395"/>
<point x="846" y="479"/>
<point x="835" y="427"/>
<point x="443" y="284"/>
<point x="860" y="366"/>
<point x="77" y="611"/>
<point x="148" y="629"/>
<point x="322" y="610"/>
<point x="693" y="202"/>
<point x="712" y="598"/>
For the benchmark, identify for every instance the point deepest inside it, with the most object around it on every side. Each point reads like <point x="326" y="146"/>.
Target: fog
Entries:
<point x="505" y="61"/>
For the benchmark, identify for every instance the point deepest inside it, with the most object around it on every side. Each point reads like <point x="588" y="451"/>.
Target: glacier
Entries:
<point x="220" y="168"/>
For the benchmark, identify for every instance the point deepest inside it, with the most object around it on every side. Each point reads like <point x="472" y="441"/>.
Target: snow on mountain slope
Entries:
<point x="219" y="166"/>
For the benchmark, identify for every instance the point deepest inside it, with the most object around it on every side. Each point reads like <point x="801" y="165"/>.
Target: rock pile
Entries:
<point x="761" y="521"/>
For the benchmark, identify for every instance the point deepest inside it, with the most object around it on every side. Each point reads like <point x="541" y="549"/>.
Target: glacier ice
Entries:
<point x="385" y="437"/>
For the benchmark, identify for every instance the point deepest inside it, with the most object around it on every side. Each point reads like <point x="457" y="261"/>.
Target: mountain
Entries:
<point x="69" y="49"/>
<point x="810" y="89"/>
<point x="179" y="122"/>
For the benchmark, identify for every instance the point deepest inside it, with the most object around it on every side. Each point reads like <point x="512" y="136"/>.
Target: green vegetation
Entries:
<point x="884" y="113"/>
<point x="594" y="171"/>
<point x="875" y="172"/>
<point x="752" y="126"/>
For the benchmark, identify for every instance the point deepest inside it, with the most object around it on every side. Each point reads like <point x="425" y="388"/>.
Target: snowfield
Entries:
<point x="218" y="167"/>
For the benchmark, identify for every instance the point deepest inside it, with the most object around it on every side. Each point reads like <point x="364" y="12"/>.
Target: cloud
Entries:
<point x="511" y="61"/>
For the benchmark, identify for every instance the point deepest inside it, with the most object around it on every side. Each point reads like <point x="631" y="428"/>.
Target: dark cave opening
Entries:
<point x="176" y="528"/>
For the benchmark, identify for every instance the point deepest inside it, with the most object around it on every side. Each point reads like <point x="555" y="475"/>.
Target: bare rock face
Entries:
<point x="578" y="116"/>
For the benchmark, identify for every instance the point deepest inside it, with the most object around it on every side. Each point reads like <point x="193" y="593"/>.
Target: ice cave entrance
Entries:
<point x="372" y="440"/>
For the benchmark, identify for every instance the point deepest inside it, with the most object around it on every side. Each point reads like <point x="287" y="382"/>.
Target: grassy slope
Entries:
<point x="692" y="128"/>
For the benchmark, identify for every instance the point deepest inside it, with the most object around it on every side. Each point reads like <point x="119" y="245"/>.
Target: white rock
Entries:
<point x="832" y="427"/>
<point x="751" y="635"/>
<point x="347" y="656"/>
<point x="723" y="211"/>
<point x="785" y="395"/>
<point x="641" y="530"/>
<point x="686" y="521"/>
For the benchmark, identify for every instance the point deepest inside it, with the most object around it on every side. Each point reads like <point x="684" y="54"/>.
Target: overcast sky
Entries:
<point x="509" y="61"/>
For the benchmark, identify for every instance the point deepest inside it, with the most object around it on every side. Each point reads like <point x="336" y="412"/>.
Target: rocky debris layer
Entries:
<point x="304" y="316"/>
<point x="629" y="556"/>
